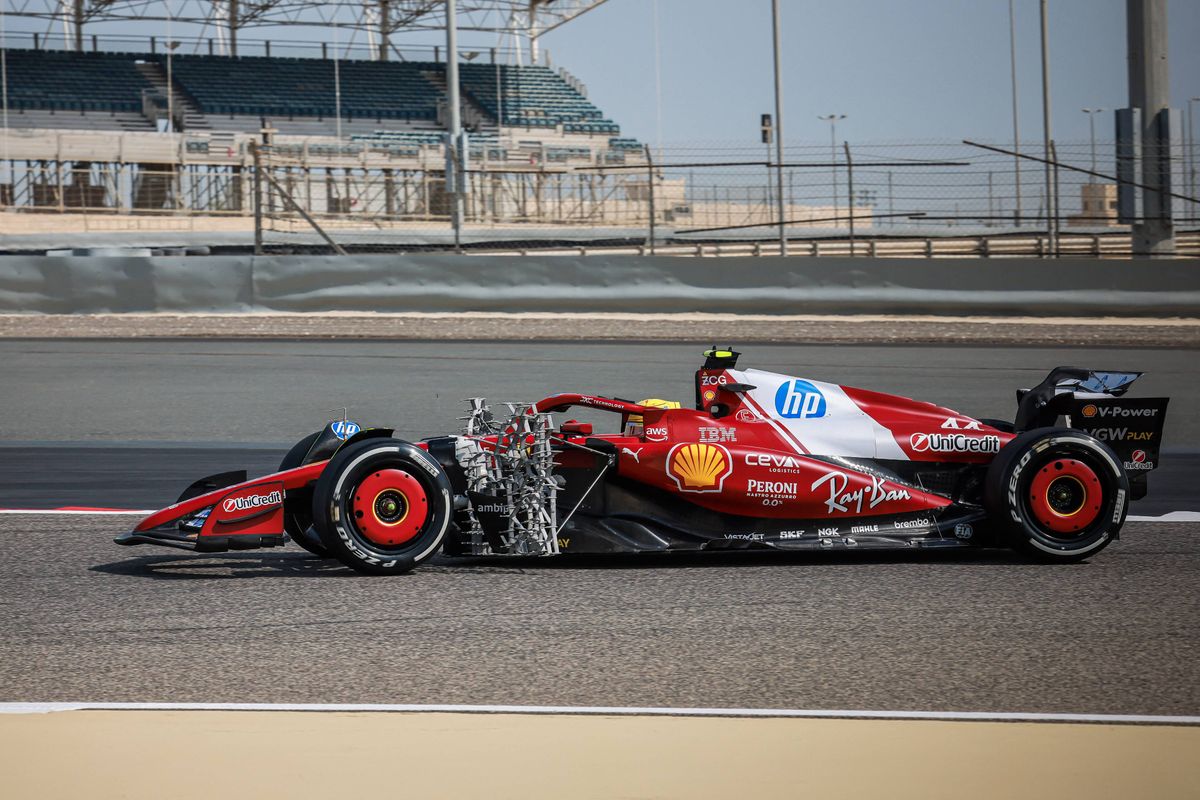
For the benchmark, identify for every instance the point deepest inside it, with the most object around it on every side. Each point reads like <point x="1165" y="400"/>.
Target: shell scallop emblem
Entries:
<point x="699" y="467"/>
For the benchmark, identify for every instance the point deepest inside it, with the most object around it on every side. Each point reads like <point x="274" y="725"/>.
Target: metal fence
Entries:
<point x="894" y="198"/>
<point x="524" y="192"/>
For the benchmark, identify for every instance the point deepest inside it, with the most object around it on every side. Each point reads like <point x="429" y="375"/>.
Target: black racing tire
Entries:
<point x="343" y="517"/>
<point x="1057" y="495"/>
<point x="297" y="514"/>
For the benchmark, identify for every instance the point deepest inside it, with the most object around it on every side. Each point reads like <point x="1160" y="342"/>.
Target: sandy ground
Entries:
<point x="203" y="754"/>
<point x="1044" y="331"/>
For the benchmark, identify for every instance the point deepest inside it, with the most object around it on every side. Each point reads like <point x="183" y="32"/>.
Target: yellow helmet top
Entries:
<point x="652" y="402"/>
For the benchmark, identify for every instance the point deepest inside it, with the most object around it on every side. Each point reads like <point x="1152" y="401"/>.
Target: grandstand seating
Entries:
<point x="533" y="97"/>
<point x="61" y="81"/>
<point x="305" y="87"/>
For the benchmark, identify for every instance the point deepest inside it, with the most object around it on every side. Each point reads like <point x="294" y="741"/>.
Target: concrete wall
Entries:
<point x="441" y="282"/>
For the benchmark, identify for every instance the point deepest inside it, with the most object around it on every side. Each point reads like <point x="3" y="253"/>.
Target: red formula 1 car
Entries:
<point x="762" y="461"/>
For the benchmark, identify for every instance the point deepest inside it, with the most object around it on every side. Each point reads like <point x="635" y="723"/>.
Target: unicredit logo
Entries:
<point x="953" y="443"/>
<point x="252" y="501"/>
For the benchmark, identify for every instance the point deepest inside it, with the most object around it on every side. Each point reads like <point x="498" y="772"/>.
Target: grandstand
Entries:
<point x="152" y="133"/>
<point x="301" y="96"/>
<point x="129" y="132"/>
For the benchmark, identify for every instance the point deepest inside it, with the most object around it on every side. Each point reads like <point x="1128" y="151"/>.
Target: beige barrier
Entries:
<point x="210" y="754"/>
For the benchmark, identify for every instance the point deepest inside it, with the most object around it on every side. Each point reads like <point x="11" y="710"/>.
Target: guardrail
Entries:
<point x="1105" y="245"/>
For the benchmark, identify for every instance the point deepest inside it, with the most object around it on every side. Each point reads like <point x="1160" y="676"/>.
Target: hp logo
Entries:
<point x="344" y="429"/>
<point x="799" y="400"/>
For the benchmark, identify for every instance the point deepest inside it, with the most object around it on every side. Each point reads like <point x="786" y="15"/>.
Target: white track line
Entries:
<point x="51" y="511"/>
<point x="1173" y="516"/>
<point x="979" y="716"/>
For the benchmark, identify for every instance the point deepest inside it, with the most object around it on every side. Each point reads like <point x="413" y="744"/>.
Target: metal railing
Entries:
<point x="580" y="194"/>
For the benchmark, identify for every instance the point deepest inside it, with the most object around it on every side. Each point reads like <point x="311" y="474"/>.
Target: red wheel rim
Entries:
<point x="1066" y="496"/>
<point x="389" y="507"/>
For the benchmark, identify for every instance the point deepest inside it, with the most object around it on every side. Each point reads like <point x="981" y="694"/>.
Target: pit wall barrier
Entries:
<point x="450" y="283"/>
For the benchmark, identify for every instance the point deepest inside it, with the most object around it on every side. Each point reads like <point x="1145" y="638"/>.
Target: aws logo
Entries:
<point x="699" y="467"/>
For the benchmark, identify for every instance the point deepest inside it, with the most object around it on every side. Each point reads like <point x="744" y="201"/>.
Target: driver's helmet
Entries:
<point x="633" y="424"/>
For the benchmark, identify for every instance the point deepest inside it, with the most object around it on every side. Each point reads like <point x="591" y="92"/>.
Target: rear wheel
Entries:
<point x="382" y="506"/>
<point x="1057" y="494"/>
<point x="297" y="509"/>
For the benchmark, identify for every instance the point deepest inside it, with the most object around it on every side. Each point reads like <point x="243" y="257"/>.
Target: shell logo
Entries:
<point x="699" y="467"/>
<point x="1089" y="410"/>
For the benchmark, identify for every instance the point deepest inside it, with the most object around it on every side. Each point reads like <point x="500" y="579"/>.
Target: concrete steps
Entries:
<point x="193" y="118"/>
<point x="474" y="118"/>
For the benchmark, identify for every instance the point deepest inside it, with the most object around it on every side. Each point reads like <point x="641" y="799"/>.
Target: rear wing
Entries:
<point x="1095" y="402"/>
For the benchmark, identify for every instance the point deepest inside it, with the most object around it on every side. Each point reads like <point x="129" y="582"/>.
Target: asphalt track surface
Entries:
<point x="86" y="620"/>
<point x="953" y="632"/>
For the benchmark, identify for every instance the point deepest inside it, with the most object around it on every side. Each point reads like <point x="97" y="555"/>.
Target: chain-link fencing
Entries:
<point x="388" y="192"/>
<point x="901" y="197"/>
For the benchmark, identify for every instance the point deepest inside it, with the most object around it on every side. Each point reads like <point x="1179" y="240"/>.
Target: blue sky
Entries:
<point x="915" y="70"/>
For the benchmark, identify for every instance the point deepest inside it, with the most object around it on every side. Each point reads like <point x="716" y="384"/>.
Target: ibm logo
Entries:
<point x="798" y="399"/>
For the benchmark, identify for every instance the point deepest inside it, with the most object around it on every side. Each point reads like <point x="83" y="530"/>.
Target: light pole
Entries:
<point x="337" y="85"/>
<point x="1012" y="51"/>
<point x="1051" y="200"/>
<point x="783" y="251"/>
<point x="832" y="119"/>
<point x="1092" y="112"/>
<point x="4" y="99"/>
<point x="453" y="154"/>
<point x="171" y="45"/>
<point x="1192" y="146"/>
<point x="499" y="105"/>
<point x="170" y="88"/>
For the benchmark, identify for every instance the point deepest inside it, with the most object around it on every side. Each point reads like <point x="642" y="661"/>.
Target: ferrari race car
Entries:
<point x="762" y="461"/>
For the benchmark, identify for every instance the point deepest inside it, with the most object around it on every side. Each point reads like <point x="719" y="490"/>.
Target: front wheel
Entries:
<point x="382" y="506"/>
<point x="1057" y="494"/>
<point x="297" y="508"/>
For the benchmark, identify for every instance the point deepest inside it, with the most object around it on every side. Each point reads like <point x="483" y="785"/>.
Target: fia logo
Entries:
<point x="797" y="399"/>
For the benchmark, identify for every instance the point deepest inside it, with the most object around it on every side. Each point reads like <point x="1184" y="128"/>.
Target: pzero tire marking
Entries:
<point x="1064" y="494"/>
<point x="385" y="462"/>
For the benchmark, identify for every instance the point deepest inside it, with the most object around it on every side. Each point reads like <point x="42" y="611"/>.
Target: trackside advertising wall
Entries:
<point x="448" y="283"/>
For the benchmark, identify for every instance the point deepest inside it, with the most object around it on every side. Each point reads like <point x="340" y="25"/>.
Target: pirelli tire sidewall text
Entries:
<point x="1010" y="478"/>
<point x="334" y="521"/>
